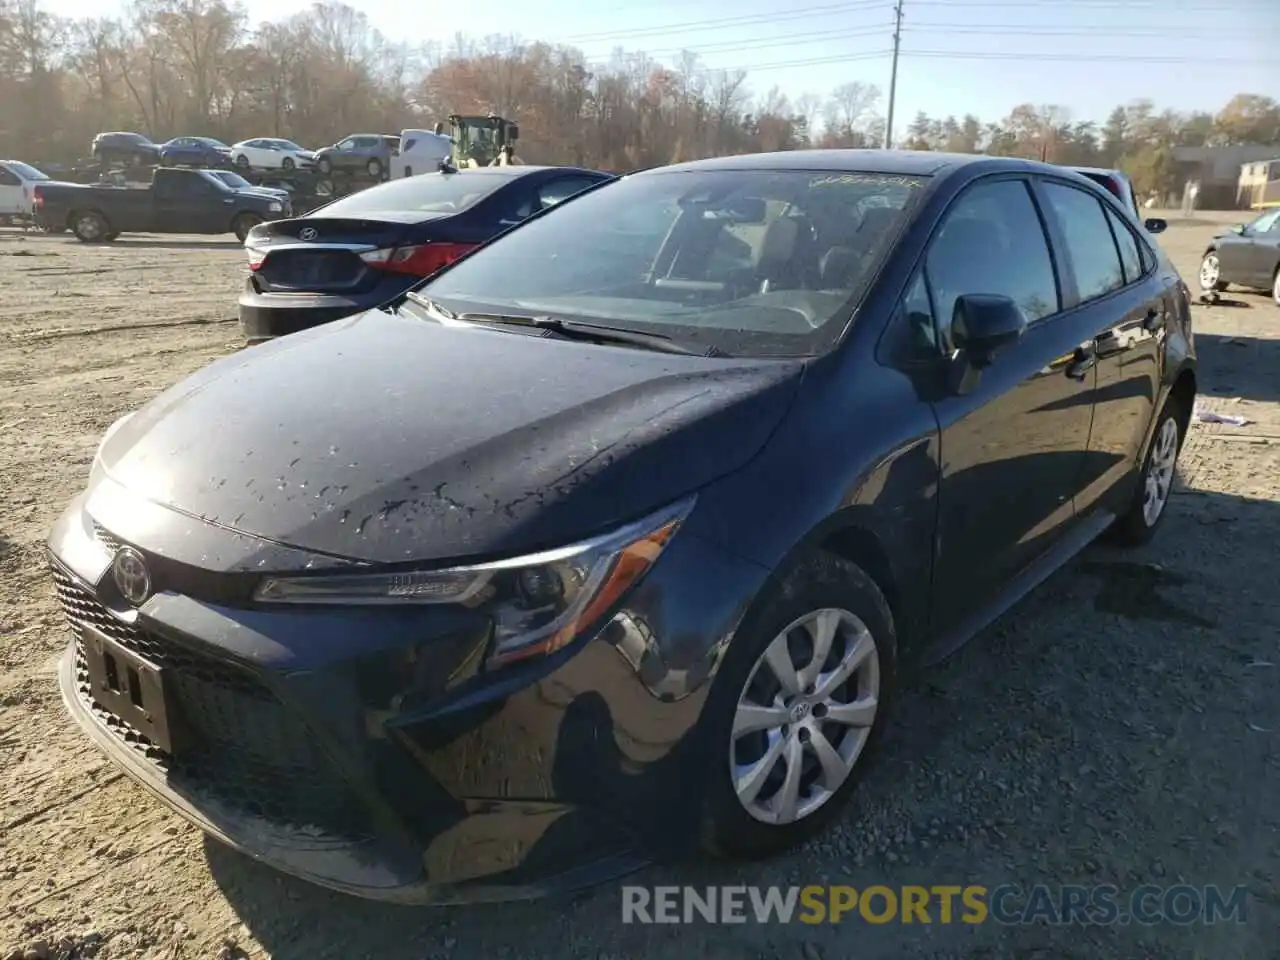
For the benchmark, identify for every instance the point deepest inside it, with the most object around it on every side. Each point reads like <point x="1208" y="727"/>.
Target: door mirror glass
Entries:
<point x="985" y="323"/>
<point x="1238" y="228"/>
<point x="1156" y="225"/>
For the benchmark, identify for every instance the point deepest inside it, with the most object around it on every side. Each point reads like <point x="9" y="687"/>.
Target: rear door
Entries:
<point x="1121" y="297"/>
<point x="1013" y="447"/>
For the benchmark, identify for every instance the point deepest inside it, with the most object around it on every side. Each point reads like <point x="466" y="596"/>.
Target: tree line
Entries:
<point x="198" y="67"/>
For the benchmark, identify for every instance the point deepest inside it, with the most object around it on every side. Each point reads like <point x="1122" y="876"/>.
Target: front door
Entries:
<point x="1013" y="447"/>
<point x="1264" y="241"/>
<point x="11" y="194"/>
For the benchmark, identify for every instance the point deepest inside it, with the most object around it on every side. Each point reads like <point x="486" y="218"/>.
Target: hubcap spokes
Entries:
<point x="804" y="716"/>
<point x="1209" y="272"/>
<point x="1159" y="478"/>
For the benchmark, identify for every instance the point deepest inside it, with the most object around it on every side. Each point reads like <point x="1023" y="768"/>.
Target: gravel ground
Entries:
<point x="1121" y="726"/>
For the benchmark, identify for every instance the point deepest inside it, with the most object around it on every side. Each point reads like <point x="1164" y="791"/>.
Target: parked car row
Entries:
<point x="512" y="582"/>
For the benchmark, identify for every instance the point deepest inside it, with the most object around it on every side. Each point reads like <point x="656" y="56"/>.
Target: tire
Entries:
<point x="1211" y="273"/>
<point x="287" y="163"/>
<point x="1139" y="523"/>
<point x="324" y="165"/>
<point x="819" y="585"/>
<point x="242" y="161"/>
<point x="374" y="166"/>
<point x="243" y="223"/>
<point x="90" y="226"/>
<point x="1275" y="287"/>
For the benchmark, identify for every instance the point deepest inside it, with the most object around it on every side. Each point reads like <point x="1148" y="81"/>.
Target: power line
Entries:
<point x="1077" y="57"/>
<point x="1078" y="5"/>
<point x="715" y="24"/>
<point x="1005" y="28"/>
<point x="785" y="40"/>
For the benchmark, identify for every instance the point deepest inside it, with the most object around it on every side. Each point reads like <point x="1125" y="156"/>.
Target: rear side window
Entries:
<point x="562" y="188"/>
<point x="992" y="242"/>
<point x="1130" y="258"/>
<point x="428" y="193"/>
<point x="1089" y="242"/>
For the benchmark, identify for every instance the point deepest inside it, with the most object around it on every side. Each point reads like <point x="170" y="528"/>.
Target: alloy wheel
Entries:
<point x="1210" y="271"/>
<point x="804" y="716"/>
<point x="1275" y="288"/>
<point x="1160" y="467"/>
<point x="89" y="227"/>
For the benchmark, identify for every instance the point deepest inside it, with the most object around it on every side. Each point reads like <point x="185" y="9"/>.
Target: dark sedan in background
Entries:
<point x="1247" y="255"/>
<point x="124" y="147"/>
<point x="613" y="538"/>
<point x="195" y="152"/>
<point x="364" y="249"/>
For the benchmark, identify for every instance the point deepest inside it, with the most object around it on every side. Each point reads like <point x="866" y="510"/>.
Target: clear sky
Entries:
<point x="1087" y="55"/>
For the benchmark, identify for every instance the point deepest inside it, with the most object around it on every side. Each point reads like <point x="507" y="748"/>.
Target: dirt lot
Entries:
<point x="1121" y="726"/>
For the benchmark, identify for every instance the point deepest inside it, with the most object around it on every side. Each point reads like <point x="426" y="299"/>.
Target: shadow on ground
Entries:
<point x="1241" y="366"/>
<point x="1091" y="736"/>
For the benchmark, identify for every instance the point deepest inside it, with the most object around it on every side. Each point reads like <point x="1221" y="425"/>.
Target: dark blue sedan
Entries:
<point x="364" y="249"/>
<point x="195" y="152"/>
<point x="614" y="539"/>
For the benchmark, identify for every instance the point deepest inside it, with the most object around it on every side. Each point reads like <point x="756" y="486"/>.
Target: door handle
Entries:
<point x="1153" y="321"/>
<point x="1086" y="358"/>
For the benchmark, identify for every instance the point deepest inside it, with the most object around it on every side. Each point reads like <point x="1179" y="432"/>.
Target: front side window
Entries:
<point x="1088" y="238"/>
<point x="991" y="241"/>
<point x="754" y="262"/>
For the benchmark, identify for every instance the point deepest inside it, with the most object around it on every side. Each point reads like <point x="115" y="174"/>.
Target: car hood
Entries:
<point x="384" y="438"/>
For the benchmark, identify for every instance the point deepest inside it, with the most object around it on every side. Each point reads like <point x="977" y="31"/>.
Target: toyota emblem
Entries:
<point x="130" y="573"/>
<point x="308" y="233"/>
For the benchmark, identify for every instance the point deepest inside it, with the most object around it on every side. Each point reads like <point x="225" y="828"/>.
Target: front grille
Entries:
<point x="109" y="542"/>
<point x="242" y="748"/>
<point x="312" y="269"/>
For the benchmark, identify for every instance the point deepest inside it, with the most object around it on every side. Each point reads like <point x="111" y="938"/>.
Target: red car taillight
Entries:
<point x="255" y="256"/>
<point x="421" y="260"/>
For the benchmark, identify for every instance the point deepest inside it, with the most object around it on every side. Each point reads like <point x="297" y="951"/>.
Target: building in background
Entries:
<point x="1259" y="184"/>
<point x="1217" y="169"/>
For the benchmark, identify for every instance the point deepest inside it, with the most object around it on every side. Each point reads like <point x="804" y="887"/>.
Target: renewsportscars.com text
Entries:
<point x="1009" y="904"/>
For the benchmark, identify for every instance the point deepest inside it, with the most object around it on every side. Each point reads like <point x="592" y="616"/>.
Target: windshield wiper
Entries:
<point x="570" y="329"/>
<point x="591" y="332"/>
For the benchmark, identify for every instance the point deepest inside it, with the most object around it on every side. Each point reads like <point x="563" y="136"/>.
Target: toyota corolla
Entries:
<point x="613" y="538"/>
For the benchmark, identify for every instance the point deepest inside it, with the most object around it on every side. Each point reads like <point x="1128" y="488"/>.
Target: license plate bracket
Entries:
<point x="131" y="687"/>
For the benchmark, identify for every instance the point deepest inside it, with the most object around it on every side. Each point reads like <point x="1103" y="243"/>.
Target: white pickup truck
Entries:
<point x="16" y="182"/>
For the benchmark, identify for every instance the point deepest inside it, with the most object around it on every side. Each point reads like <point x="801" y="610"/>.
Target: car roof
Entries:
<point x="902" y="162"/>
<point x="1101" y="171"/>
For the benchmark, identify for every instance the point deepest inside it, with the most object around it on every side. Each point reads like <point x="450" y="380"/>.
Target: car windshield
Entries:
<point x="26" y="171"/>
<point x="751" y="262"/>
<point x="427" y="193"/>
<point x="1264" y="223"/>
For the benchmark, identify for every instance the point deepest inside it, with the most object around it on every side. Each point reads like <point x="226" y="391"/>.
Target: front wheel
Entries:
<point x="1155" y="483"/>
<point x="243" y="223"/>
<point x="242" y="161"/>
<point x="91" y="227"/>
<point x="1275" y="287"/>
<point x="374" y="166"/>
<point x="1211" y="273"/>
<point x="797" y="707"/>
<point x="324" y="166"/>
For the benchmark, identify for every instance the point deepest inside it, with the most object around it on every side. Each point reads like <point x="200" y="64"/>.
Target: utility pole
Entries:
<point x="893" y="75"/>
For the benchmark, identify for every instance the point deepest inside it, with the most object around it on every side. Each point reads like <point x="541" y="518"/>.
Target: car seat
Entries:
<point x="786" y="259"/>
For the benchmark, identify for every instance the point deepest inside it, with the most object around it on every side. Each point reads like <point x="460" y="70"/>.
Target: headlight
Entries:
<point x="536" y="604"/>
<point x="274" y="207"/>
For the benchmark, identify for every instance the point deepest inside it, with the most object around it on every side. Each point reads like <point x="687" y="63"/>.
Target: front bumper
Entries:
<point x="555" y="779"/>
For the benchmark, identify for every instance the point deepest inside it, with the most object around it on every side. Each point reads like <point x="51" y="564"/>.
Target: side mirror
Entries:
<point x="982" y="324"/>
<point x="513" y="131"/>
<point x="1238" y="228"/>
<point x="1155" y="225"/>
